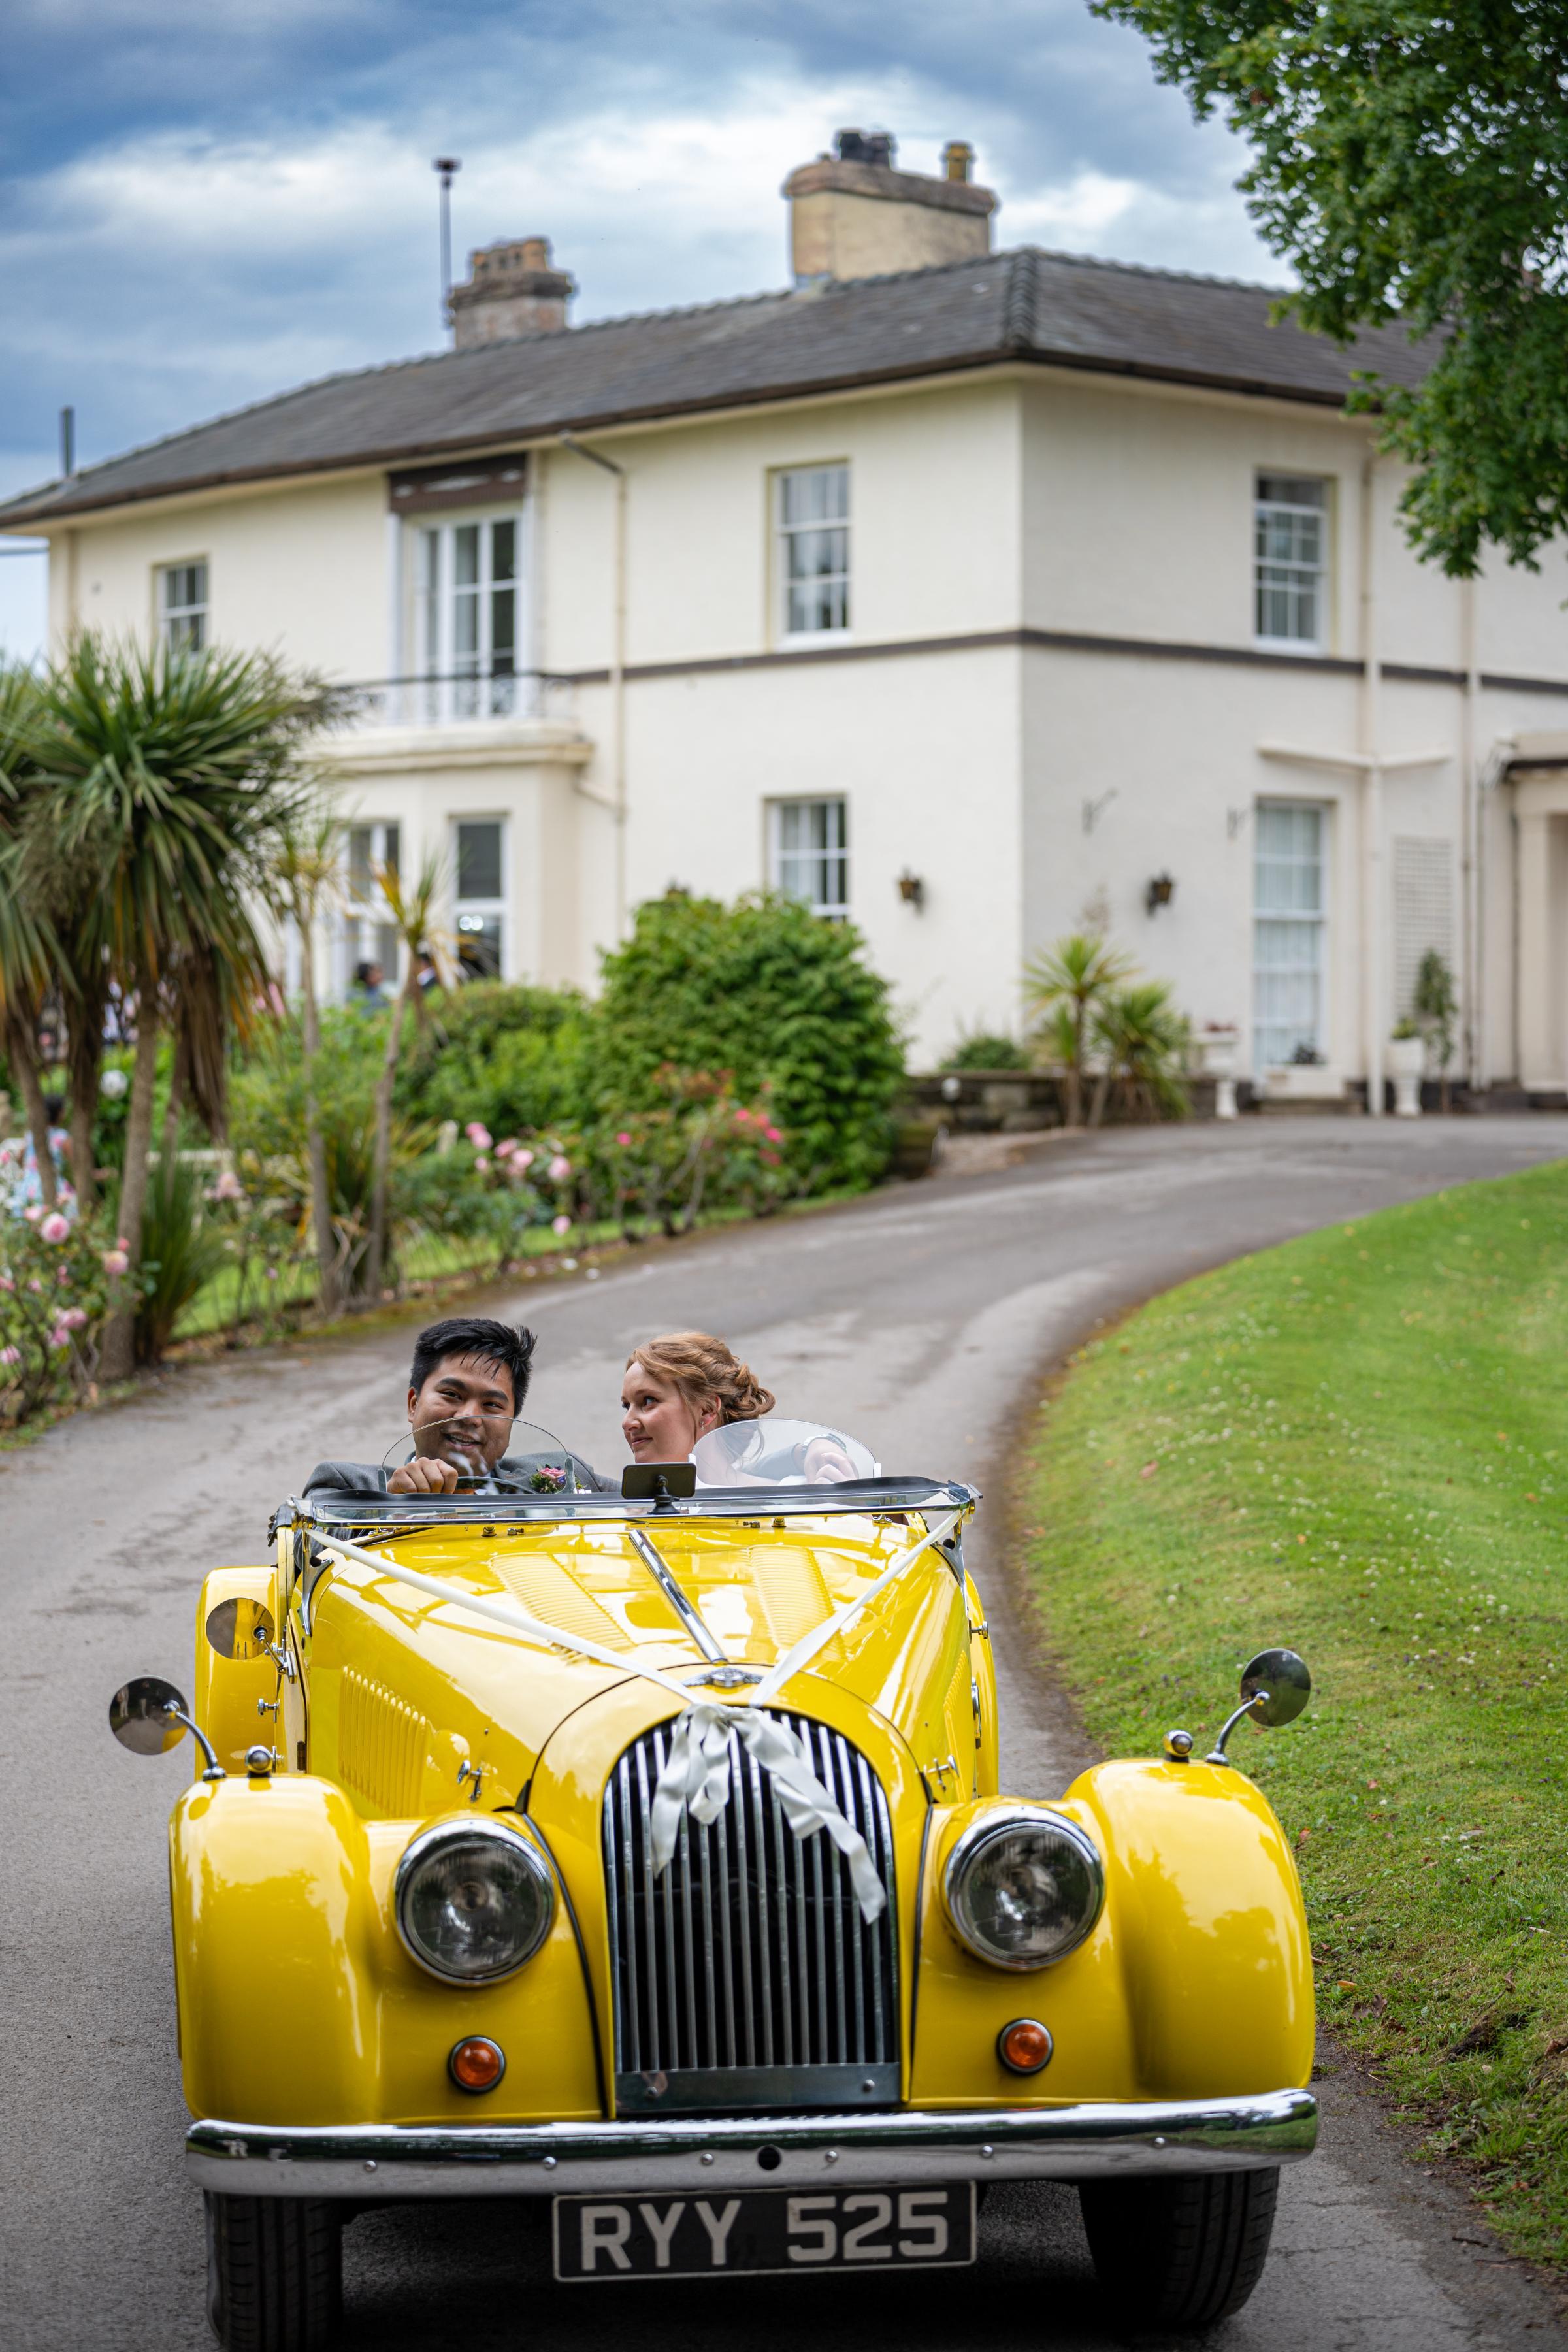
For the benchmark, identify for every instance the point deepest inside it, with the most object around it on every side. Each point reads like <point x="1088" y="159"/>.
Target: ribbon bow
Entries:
<point x="695" y="1778"/>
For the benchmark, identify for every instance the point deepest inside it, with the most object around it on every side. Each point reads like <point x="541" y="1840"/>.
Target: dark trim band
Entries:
<point x="1061" y="641"/>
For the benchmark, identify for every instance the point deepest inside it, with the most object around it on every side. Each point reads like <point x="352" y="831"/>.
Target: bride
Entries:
<point x="680" y="1388"/>
<point x="675" y="1389"/>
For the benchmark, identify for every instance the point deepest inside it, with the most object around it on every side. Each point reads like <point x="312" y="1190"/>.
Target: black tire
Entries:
<point x="275" y="2273"/>
<point x="1185" y="2252"/>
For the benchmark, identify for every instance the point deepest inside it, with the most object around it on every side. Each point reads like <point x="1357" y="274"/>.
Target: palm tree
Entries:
<point x="27" y="948"/>
<point x="411" y="911"/>
<point x="308" y="879"/>
<point x="1143" y="1040"/>
<point x="1073" y="977"/>
<point x="174" y="772"/>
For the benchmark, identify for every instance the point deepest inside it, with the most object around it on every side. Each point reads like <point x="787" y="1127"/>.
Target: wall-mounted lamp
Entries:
<point x="1161" y="889"/>
<point x="912" y="889"/>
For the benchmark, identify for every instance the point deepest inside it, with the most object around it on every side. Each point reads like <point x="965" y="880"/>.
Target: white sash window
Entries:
<point x="1287" y="933"/>
<point x="468" y="618"/>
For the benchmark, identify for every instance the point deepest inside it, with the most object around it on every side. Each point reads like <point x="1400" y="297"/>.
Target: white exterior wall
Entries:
<point x="1023" y="508"/>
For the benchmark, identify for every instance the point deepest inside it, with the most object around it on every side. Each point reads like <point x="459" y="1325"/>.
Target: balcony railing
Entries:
<point x="457" y="697"/>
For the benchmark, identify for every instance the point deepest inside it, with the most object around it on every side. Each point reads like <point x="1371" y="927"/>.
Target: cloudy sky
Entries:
<point x="203" y="205"/>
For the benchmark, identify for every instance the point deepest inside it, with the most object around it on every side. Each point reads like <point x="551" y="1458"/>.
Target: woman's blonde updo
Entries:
<point x="703" y="1372"/>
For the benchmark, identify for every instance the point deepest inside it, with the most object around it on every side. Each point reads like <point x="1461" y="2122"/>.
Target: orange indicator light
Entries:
<point x="1024" y="2046"/>
<point x="476" y="2065"/>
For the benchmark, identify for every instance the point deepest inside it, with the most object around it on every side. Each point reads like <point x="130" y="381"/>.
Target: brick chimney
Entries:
<point x="511" y="289"/>
<point x="852" y="214"/>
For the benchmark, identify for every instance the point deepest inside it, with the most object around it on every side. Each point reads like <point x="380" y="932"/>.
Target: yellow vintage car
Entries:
<point x="645" y="1852"/>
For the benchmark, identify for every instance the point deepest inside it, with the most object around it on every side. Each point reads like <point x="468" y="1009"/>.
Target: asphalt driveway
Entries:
<point x="922" y="1320"/>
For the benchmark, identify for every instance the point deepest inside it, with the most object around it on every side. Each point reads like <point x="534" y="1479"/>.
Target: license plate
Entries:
<point x="768" y="2230"/>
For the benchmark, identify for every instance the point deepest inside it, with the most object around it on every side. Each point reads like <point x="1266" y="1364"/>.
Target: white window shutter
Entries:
<point x="1423" y="909"/>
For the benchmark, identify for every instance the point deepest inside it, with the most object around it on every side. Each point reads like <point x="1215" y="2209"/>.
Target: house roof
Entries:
<point x="1107" y="318"/>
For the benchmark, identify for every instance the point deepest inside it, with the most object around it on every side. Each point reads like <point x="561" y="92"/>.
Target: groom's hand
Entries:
<point x="426" y="1475"/>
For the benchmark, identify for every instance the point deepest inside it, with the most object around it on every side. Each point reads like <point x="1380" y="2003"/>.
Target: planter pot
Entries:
<point x="1220" y="1049"/>
<point x="1405" y="1059"/>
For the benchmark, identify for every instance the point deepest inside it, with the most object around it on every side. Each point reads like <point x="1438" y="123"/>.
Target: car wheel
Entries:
<point x="275" y="2273"/>
<point x="1181" y="2253"/>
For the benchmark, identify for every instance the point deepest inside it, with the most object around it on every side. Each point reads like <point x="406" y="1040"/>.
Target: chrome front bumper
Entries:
<point x="374" y="2161"/>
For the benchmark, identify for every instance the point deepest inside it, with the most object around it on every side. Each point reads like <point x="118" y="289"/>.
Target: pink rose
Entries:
<point x="481" y="1160"/>
<point x="63" y="1274"/>
<point x="122" y="1241"/>
<point x="622" y="1137"/>
<point x="10" y="1355"/>
<point x="560" y="1170"/>
<point x="34" y="1214"/>
<point x="228" y="1187"/>
<point x="772" y="1134"/>
<point x="72" y="1320"/>
<point x="58" y="1340"/>
<point x="55" y="1228"/>
<point x="479" y="1135"/>
<point x="507" y="1145"/>
<point x="560" y="1224"/>
<point x="115" y="1261"/>
<point x="33" y="1283"/>
<point x="522" y="1159"/>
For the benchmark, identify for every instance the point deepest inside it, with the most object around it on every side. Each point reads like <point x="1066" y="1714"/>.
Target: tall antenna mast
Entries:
<point x="447" y="167"/>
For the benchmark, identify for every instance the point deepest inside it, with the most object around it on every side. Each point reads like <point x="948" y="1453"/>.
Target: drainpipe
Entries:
<point x="1369" y="721"/>
<point x="617" y="803"/>
<point x="1470" y="841"/>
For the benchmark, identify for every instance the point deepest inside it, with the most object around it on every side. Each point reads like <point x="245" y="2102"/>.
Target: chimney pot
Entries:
<point x="958" y="160"/>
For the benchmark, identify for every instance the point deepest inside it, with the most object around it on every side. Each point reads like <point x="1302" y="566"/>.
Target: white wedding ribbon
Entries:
<point x="809" y="1644"/>
<point x="697" y="1770"/>
<point x="696" y="1779"/>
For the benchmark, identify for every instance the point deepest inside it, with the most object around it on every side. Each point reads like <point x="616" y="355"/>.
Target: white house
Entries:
<point x="955" y="590"/>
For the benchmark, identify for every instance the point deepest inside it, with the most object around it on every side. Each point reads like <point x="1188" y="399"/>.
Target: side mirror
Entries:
<point x="240" y="1628"/>
<point x="148" y="1716"/>
<point x="1275" y="1687"/>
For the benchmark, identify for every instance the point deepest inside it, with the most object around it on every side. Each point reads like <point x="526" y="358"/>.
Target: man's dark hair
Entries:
<point x="478" y="1337"/>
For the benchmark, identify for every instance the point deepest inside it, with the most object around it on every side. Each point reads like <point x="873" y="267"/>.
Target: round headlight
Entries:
<point x="1024" y="1889"/>
<point x="473" y="1901"/>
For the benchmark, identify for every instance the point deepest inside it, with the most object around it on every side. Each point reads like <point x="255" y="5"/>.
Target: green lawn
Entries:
<point x="1357" y="1444"/>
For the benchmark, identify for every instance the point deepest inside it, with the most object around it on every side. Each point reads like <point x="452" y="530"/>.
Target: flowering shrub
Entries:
<point x="702" y="1149"/>
<point x="54" y="1289"/>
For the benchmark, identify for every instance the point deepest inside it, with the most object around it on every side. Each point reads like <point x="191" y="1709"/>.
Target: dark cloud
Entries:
<point x="202" y="205"/>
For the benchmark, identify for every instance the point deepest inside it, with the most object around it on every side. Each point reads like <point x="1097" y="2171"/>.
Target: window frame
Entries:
<point x="366" y="927"/>
<point x="1322" y="571"/>
<point x="497" y="910"/>
<point x="166" y="618"/>
<point x="442" y="693"/>
<point x="830" y="855"/>
<point x="784" y="533"/>
<point x="1316" y="920"/>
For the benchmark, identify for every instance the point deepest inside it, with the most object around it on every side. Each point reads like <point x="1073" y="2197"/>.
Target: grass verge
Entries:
<point x="1358" y="1444"/>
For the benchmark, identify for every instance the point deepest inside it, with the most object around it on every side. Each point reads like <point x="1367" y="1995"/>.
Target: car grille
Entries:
<point x="745" y="1976"/>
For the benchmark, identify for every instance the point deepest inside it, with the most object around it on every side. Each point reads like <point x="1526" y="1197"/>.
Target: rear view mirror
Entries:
<point x="240" y="1628"/>
<point x="658" y="1481"/>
